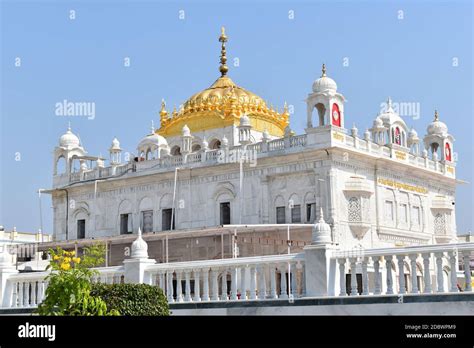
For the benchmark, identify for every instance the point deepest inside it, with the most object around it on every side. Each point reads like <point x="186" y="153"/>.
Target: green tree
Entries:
<point x="69" y="288"/>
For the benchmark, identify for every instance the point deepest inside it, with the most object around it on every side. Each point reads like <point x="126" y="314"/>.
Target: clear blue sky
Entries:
<point x="410" y="59"/>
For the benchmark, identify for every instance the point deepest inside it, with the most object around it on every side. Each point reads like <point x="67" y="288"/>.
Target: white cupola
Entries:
<point x="438" y="141"/>
<point x="328" y="103"/>
<point x="321" y="231"/>
<point x="115" y="152"/>
<point x="152" y="145"/>
<point x="244" y="130"/>
<point x="139" y="247"/>
<point x="69" y="150"/>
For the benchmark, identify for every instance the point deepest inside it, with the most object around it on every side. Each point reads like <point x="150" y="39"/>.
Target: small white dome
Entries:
<point x="324" y="83"/>
<point x="244" y="121"/>
<point x="390" y="117"/>
<point x="139" y="247"/>
<point x="69" y="139"/>
<point x="225" y="141"/>
<point x="266" y="135"/>
<point x="413" y="134"/>
<point x="153" y="140"/>
<point x="321" y="231"/>
<point x="115" y="144"/>
<point x="437" y="127"/>
<point x="378" y="123"/>
<point x="186" y="131"/>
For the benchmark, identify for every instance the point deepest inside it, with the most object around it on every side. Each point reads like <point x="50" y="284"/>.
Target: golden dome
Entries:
<point x="221" y="105"/>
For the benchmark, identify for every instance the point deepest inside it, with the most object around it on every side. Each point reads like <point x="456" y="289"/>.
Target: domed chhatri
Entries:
<point x="324" y="83"/>
<point x="321" y="231"/>
<point x="221" y="105"/>
<point x="69" y="139"/>
<point x="139" y="247"/>
<point x="437" y="127"/>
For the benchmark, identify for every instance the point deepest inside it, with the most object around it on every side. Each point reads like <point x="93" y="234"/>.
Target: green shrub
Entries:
<point x="133" y="299"/>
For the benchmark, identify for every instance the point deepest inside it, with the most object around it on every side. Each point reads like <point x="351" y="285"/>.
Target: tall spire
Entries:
<point x="389" y="105"/>
<point x="152" y="127"/>
<point x="223" y="67"/>
<point x="323" y="70"/>
<point x="436" y="116"/>
<point x="69" y="126"/>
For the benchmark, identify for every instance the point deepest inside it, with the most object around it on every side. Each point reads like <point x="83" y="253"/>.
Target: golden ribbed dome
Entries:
<point x="221" y="105"/>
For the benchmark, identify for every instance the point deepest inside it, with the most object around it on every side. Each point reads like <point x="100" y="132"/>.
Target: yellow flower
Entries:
<point x="65" y="266"/>
<point x="76" y="260"/>
<point x="55" y="257"/>
<point x="67" y="259"/>
<point x="72" y="253"/>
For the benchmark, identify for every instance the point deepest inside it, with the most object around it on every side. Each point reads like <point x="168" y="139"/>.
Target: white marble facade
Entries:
<point x="376" y="189"/>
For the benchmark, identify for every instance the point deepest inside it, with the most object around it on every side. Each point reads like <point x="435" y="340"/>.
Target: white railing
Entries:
<point x="25" y="290"/>
<point x="418" y="265"/>
<point x="212" y="155"/>
<point x="194" y="158"/>
<point x="424" y="269"/>
<point x="238" y="279"/>
<point x="299" y="140"/>
<point x="275" y="145"/>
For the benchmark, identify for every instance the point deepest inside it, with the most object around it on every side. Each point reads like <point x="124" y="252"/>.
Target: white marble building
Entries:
<point x="378" y="187"/>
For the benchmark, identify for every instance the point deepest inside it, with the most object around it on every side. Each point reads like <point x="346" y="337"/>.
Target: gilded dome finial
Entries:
<point x="163" y="112"/>
<point x="436" y="116"/>
<point x="223" y="67"/>
<point x="323" y="70"/>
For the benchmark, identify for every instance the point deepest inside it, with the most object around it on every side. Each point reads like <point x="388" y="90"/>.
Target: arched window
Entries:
<point x="321" y="112"/>
<point x="61" y="165"/>
<point x="176" y="151"/>
<point x="196" y="148"/>
<point x="397" y="137"/>
<point x="215" y="144"/>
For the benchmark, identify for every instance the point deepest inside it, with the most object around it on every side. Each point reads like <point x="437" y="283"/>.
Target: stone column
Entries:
<point x="454" y="266"/>
<point x="273" y="293"/>
<point x="414" y="278"/>
<point x="253" y="292"/>
<point x="439" y="271"/>
<point x="426" y="273"/>
<point x="261" y="282"/>
<point x="205" y="284"/>
<point x="466" y="257"/>
<point x="388" y="265"/>
<point x="377" y="284"/>
<point x="353" y="261"/>
<point x="187" y="275"/>
<point x="401" y="273"/>
<point x="283" y="282"/>
<point x="197" y="284"/>
<point x="365" y="277"/>
<point x="224" y="285"/>
<point x="342" y="276"/>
